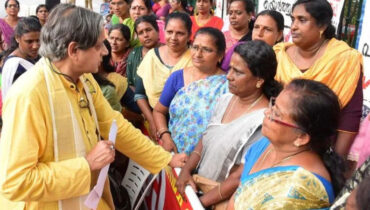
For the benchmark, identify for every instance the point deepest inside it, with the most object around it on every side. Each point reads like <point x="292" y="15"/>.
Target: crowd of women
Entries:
<point x="265" y="124"/>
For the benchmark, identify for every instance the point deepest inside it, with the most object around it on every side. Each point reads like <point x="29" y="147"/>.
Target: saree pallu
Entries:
<point x="155" y="74"/>
<point x="7" y="32"/>
<point x="191" y="109"/>
<point x="224" y="144"/>
<point x="286" y="187"/>
<point x="339" y="68"/>
<point x="133" y="62"/>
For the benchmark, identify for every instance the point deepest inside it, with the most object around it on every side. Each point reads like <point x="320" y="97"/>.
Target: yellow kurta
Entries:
<point x="339" y="68"/>
<point x="155" y="74"/>
<point x="29" y="176"/>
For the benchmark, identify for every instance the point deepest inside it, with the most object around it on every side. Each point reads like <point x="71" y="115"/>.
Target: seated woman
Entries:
<point x="23" y="53"/>
<point x="235" y="123"/>
<point x="190" y="94"/>
<point x="268" y="27"/>
<point x="119" y="40"/>
<point x="293" y="166"/>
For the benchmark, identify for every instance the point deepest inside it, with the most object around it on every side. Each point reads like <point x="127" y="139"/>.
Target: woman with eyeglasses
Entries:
<point x="190" y="94"/>
<point x="234" y="125"/>
<point x="8" y="24"/>
<point x="293" y="166"/>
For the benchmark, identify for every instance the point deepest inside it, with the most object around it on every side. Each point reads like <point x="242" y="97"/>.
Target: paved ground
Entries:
<point x="28" y="7"/>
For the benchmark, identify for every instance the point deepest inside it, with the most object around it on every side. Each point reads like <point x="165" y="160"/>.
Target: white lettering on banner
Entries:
<point x="282" y="6"/>
<point x="363" y="45"/>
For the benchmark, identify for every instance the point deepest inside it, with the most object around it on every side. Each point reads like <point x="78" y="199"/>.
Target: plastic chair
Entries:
<point x="134" y="180"/>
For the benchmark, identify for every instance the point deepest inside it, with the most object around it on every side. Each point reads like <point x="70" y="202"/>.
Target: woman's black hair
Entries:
<point x="184" y="17"/>
<point x="7" y="1"/>
<point x="217" y="35"/>
<point x="322" y="12"/>
<point x="105" y="64"/>
<point x="249" y="8"/>
<point x="317" y="111"/>
<point x="277" y="17"/>
<point x="147" y="4"/>
<point x="125" y="30"/>
<point x="363" y="195"/>
<point x="24" y="25"/>
<point x="151" y="19"/>
<point x="41" y="6"/>
<point x="261" y="60"/>
<point x="106" y="67"/>
<point x="184" y="4"/>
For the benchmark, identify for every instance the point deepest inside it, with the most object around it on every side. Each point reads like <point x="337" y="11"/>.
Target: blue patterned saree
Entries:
<point x="191" y="109"/>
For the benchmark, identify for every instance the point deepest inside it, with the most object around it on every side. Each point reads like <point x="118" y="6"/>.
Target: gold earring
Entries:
<point x="297" y="144"/>
<point x="321" y="32"/>
<point x="258" y="85"/>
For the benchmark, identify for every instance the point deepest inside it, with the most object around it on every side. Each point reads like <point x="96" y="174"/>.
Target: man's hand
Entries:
<point x="178" y="160"/>
<point x="101" y="155"/>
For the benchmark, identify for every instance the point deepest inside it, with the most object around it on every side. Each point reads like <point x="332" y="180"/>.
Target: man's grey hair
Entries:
<point x="68" y="23"/>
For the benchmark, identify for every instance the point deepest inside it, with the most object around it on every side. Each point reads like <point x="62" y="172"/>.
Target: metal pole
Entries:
<point x="359" y="12"/>
<point x="348" y="19"/>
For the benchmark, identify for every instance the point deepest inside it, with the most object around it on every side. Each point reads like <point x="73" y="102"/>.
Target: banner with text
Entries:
<point x="363" y="46"/>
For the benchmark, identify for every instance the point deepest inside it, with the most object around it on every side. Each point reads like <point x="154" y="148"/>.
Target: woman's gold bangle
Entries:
<point x="219" y="191"/>
<point x="196" y="152"/>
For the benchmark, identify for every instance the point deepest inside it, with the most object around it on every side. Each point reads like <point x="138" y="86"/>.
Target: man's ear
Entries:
<point x="72" y="50"/>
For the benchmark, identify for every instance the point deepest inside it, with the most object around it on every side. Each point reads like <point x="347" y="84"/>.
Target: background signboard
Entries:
<point x="363" y="46"/>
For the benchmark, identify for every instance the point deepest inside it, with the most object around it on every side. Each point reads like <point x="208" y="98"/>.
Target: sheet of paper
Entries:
<point x="94" y="196"/>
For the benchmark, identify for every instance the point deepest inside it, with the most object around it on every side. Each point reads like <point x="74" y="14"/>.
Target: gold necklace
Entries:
<point x="282" y="160"/>
<point x="314" y="56"/>
<point x="249" y="107"/>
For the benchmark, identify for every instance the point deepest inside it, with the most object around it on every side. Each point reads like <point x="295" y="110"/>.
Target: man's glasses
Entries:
<point x="273" y="115"/>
